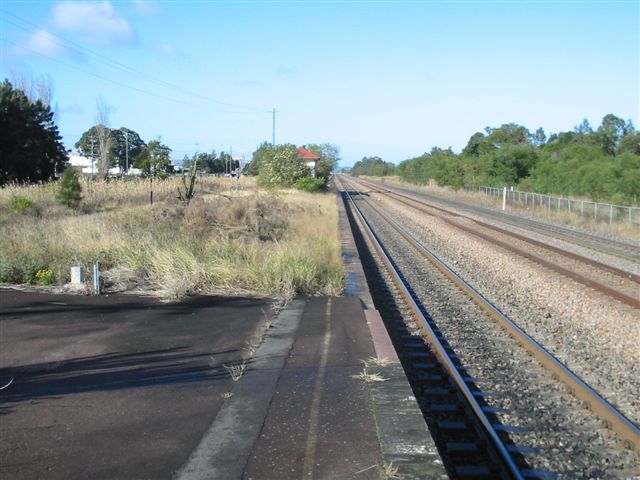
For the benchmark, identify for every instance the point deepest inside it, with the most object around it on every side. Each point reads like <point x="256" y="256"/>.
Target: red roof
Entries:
<point x="306" y="154"/>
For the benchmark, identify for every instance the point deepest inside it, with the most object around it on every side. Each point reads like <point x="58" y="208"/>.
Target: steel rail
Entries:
<point x="504" y="456"/>
<point x="612" y="292"/>
<point x="616" y="421"/>
<point x="590" y="241"/>
<point x="575" y="256"/>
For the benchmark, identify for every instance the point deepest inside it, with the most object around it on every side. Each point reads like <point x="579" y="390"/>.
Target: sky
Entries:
<point x="376" y="78"/>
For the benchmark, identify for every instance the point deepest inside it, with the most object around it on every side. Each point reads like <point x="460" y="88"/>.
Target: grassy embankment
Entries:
<point x="617" y="229"/>
<point x="250" y="242"/>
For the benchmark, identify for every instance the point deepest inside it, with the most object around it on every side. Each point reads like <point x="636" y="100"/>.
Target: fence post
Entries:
<point x="504" y="199"/>
<point x="610" y="214"/>
<point x="595" y="211"/>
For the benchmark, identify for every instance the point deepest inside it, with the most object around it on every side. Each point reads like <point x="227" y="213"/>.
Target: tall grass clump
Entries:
<point x="224" y="241"/>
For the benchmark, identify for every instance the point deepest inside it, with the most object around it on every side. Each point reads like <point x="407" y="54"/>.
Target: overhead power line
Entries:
<point x="115" y="82"/>
<point x="38" y="30"/>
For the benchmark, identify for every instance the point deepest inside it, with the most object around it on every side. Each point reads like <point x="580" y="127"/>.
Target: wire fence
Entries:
<point x="604" y="212"/>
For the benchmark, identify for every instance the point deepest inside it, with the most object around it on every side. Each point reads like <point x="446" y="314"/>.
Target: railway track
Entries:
<point x="623" y="250"/>
<point x="614" y="282"/>
<point x="452" y="405"/>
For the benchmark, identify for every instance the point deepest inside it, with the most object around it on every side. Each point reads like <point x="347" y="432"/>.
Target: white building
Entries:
<point x="84" y="165"/>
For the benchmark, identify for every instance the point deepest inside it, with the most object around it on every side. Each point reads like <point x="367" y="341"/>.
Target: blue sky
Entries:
<point x="385" y="78"/>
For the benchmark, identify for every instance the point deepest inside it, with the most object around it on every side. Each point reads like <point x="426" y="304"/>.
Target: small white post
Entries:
<point x="77" y="277"/>
<point x="504" y="199"/>
<point x="96" y="278"/>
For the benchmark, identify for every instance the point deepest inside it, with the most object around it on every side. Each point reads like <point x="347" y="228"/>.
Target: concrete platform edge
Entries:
<point x="404" y="438"/>
<point x="227" y="444"/>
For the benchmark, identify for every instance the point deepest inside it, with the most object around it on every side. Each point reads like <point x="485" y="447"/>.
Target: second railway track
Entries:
<point x="620" y="284"/>
<point x="543" y="428"/>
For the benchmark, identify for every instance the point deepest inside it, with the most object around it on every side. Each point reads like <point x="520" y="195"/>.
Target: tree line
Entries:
<point x="31" y="149"/>
<point x="602" y="163"/>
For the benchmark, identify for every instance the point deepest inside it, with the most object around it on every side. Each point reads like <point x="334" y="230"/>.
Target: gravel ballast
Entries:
<point x="561" y="315"/>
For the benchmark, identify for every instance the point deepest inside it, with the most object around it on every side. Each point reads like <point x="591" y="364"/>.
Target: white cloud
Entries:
<point x="146" y="7"/>
<point x="96" y="22"/>
<point x="44" y="43"/>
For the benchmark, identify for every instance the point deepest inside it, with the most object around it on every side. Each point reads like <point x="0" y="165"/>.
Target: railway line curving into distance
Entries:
<point x="498" y="404"/>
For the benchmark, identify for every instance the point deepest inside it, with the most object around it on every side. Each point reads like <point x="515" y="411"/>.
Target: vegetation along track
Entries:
<point x="612" y="281"/>
<point x="620" y="249"/>
<point x="540" y="427"/>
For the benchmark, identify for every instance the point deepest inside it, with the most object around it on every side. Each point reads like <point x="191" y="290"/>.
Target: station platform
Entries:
<point x="126" y="387"/>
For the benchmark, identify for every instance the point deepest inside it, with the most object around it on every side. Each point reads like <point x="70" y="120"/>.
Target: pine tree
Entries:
<point x="69" y="191"/>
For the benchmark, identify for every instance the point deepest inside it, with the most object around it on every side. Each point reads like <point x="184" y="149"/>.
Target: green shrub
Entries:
<point x="8" y="273"/>
<point x="45" y="277"/>
<point x="69" y="191"/>
<point x="29" y="271"/>
<point x="311" y="184"/>
<point x="20" y="204"/>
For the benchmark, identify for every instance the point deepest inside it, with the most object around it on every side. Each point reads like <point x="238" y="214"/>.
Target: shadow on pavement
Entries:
<point x="112" y="371"/>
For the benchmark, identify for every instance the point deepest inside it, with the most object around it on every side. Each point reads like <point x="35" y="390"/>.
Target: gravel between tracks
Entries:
<point x="572" y="445"/>
<point x="597" y="337"/>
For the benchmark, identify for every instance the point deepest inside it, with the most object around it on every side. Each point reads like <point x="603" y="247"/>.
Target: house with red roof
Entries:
<point x="309" y="158"/>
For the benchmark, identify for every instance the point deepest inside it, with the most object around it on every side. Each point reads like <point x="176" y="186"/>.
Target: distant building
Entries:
<point x="310" y="158"/>
<point x="84" y="165"/>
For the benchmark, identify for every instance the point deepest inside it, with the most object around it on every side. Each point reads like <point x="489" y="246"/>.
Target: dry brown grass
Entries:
<point x="617" y="229"/>
<point x="248" y="242"/>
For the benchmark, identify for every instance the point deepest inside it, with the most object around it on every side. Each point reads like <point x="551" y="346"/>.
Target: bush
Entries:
<point x="311" y="184"/>
<point x="45" y="277"/>
<point x="70" y="191"/>
<point x="20" y="204"/>
<point x="8" y="273"/>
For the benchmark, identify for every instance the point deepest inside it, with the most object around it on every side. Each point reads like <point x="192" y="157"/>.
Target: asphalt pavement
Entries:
<point x="118" y="386"/>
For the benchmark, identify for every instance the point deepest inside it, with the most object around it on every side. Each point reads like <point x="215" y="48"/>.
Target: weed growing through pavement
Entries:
<point x="369" y="377"/>
<point x="389" y="470"/>
<point x="236" y="370"/>
<point x="380" y="362"/>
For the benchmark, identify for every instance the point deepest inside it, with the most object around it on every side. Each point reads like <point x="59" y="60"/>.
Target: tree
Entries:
<point x="284" y="168"/>
<point x="154" y="160"/>
<point x="69" y="190"/>
<point x="373" y="166"/>
<point x="539" y="137"/>
<point x="262" y="154"/>
<point x="227" y="162"/>
<point x="88" y="143"/>
<point x="30" y="144"/>
<point x="329" y="157"/>
<point x="473" y="145"/>
<point x="105" y="160"/>
<point x="126" y="145"/>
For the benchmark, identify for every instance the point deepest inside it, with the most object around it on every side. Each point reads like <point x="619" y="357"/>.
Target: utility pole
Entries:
<point x="273" y="130"/>
<point x="126" y="151"/>
<point x="93" y="139"/>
